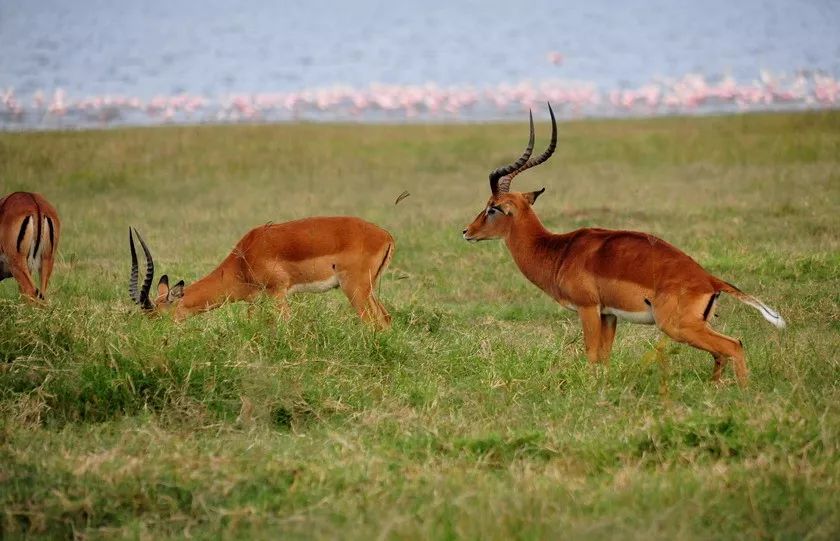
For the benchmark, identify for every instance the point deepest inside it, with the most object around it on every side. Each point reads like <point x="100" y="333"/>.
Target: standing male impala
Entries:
<point x="312" y="254"/>
<point x="29" y="228"/>
<point x="605" y="275"/>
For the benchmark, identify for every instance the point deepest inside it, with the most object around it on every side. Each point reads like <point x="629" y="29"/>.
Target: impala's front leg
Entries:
<point x="282" y="304"/>
<point x="608" y="325"/>
<point x="720" y="364"/>
<point x="590" y="319"/>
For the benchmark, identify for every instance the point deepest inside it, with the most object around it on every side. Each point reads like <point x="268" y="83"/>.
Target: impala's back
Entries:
<point x="308" y="255"/>
<point x="628" y="269"/>
<point x="311" y="254"/>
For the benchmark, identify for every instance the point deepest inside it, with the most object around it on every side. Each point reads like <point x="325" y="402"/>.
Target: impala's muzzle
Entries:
<point x="469" y="238"/>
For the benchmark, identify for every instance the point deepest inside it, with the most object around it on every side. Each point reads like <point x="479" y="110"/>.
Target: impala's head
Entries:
<point x="498" y="215"/>
<point x="167" y="297"/>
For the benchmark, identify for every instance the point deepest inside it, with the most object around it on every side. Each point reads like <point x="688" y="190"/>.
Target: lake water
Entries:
<point x="88" y="62"/>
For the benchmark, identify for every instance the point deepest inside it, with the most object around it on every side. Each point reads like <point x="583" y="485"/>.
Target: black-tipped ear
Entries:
<point x="163" y="285"/>
<point x="177" y="291"/>
<point x="532" y="196"/>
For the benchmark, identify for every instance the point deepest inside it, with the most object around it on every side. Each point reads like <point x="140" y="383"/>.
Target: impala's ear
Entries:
<point x="531" y="197"/>
<point x="177" y="291"/>
<point x="163" y="285"/>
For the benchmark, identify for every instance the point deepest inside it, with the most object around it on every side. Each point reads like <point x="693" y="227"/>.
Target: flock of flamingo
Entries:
<point x="379" y="102"/>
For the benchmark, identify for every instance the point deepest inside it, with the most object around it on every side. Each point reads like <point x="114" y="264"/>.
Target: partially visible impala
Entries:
<point x="312" y="255"/>
<point x="606" y="275"/>
<point x="29" y="229"/>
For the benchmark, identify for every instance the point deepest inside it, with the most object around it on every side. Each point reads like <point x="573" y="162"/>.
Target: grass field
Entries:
<point x="476" y="415"/>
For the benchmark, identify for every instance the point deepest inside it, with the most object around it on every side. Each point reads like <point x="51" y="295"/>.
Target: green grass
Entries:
<point x="476" y="415"/>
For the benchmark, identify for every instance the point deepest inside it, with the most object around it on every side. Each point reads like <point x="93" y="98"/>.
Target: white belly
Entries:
<point x="315" y="287"/>
<point x="645" y="318"/>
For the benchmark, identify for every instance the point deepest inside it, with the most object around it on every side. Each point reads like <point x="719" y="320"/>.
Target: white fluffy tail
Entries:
<point x="766" y="312"/>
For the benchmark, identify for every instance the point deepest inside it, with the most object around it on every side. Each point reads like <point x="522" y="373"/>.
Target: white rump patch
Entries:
<point x="644" y="318"/>
<point x="33" y="261"/>
<point x="315" y="287"/>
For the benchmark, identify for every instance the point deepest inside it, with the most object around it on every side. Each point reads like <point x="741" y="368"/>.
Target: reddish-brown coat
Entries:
<point x="312" y="254"/>
<point x="29" y="232"/>
<point x="598" y="272"/>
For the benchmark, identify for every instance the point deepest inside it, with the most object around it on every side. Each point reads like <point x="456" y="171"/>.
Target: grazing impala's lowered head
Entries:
<point x="497" y="217"/>
<point x="166" y="296"/>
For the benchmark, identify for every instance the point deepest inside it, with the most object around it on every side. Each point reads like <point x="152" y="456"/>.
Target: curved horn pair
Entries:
<point x="140" y="297"/>
<point x="501" y="178"/>
<point x="504" y="170"/>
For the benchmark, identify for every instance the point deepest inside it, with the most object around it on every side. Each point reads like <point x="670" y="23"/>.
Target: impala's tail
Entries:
<point x="766" y="312"/>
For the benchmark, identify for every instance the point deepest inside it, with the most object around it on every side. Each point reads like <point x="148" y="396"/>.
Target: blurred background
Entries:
<point x="98" y="62"/>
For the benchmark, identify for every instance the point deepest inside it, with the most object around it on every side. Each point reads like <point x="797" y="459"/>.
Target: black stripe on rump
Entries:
<point x="384" y="261"/>
<point x="40" y="225"/>
<point x="709" y="306"/>
<point x="22" y="231"/>
<point x="52" y="233"/>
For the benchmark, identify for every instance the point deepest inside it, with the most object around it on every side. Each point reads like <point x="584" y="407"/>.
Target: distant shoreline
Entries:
<point x="692" y="94"/>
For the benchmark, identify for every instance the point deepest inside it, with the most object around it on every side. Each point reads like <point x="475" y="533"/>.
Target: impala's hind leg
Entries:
<point x="48" y="245"/>
<point x="381" y="263"/>
<point x="721" y="347"/>
<point x="384" y="316"/>
<point x="683" y="321"/>
<point x="20" y="272"/>
<point x="360" y="295"/>
<point x="45" y="272"/>
<point x="358" y="287"/>
<point x="357" y="283"/>
<point x="15" y="247"/>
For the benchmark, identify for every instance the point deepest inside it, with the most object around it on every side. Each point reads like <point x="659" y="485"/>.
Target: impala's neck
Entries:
<point x="212" y="290"/>
<point x="536" y="251"/>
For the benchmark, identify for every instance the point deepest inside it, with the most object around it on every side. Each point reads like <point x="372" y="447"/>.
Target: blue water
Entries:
<point x="215" y="48"/>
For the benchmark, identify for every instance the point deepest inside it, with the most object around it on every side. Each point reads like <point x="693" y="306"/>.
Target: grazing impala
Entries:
<point x="29" y="228"/>
<point x="607" y="275"/>
<point x="313" y="254"/>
